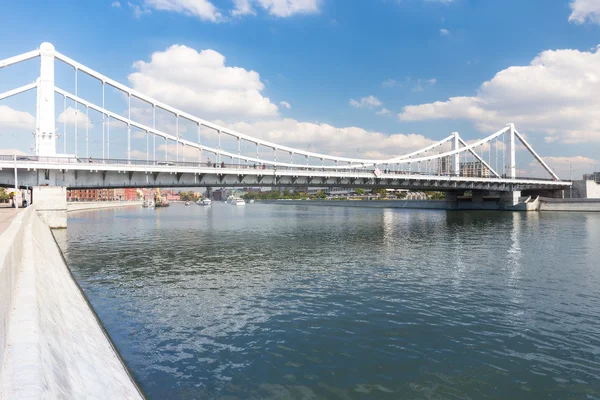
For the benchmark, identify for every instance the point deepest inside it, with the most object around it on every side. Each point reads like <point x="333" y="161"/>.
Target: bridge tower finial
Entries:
<point x="45" y="135"/>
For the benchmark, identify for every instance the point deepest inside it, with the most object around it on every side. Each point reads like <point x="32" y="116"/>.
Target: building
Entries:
<point x="444" y="166"/>
<point x="592" y="177"/>
<point x="82" y="195"/>
<point x="474" y="169"/>
<point x="584" y="189"/>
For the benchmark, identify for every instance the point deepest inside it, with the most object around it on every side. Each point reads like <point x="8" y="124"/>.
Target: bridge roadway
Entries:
<point x="114" y="173"/>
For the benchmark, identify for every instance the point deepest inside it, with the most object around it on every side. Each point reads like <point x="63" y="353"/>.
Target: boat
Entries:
<point x="161" y="203"/>
<point x="187" y="203"/>
<point x="158" y="201"/>
<point x="205" y="202"/>
<point x="251" y="201"/>
<point x="239" y="202"/>
<point x="148" y="203"/>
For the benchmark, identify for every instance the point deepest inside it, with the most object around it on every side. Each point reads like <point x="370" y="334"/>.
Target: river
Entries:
<point x="300" y="302"/>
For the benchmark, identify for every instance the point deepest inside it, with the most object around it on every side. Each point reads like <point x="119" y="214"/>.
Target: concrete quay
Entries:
<point x="541" y="204"/>
<point x="51" y="343"/>
<point x="95" y="205"/>
<point x="408" y="204"/>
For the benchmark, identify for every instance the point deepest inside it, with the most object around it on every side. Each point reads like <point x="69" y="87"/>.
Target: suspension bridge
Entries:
<point x="144" y="154"/>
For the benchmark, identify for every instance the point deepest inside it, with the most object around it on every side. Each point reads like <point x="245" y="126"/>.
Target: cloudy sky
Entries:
<point x="355" y="77"/>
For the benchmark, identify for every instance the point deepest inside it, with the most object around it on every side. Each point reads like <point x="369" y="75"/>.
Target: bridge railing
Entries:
<point x="238" y="166"/>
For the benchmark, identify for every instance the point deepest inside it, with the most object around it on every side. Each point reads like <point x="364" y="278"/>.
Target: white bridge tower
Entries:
<point x="45" y="132"/>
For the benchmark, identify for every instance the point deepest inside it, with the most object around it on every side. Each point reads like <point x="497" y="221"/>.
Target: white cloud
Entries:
<point x="203" y="84"/>
<point x="424" y="83"/>
<point x="383" y="111"/>
<point x="366" y="102"/>
<point x="241" y="8"/>
<point x="203" y="9"/>
<point x="137" y="10"/>
<point x="444" y="32"/>
<point x="285" y="104"/>
<point x="12" y="151"/>
<point x="557" y="94"/>
<point x="390" y="83"/>
<point x="200" y="82"/>
<point x="116" y="4"/>
<point x="332" y="140"/>
<point x="565" y="166"/>
<point x="585" y="10"/>
<point x="11" y="118"/>
<point x="70" y="115"/>
<point x="287" y="8"/>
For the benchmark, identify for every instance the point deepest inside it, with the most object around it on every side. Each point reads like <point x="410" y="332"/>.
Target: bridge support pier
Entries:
<point x="477" y="200"/>
<point x="452" y="199"/>
<point x="510" y="199"/>
<point x="51" y="205"/>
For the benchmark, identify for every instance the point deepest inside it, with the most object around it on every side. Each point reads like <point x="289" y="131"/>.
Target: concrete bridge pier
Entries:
<point x="452" y="199"/>
<point x="477" y="200"/>
<point x="51" y="205"/>
<point x="509" y="199"/>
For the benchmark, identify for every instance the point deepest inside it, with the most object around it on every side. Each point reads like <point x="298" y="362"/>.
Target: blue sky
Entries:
<point x="318" y="56"/>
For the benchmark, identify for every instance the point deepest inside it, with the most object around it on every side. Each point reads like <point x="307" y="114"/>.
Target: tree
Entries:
<point x="359" y="191"/>
<point x="381" y="192"/>
<point x="3" y="196"/>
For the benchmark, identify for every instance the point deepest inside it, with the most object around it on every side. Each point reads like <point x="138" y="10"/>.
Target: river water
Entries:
<point x="300" y="302"/>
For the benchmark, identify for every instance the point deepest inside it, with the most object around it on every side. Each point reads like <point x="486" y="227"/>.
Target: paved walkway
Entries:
<point x="6" y="216"/>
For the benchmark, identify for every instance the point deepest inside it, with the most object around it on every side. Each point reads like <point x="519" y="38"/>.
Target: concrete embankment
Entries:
<point x="51" y="343"/>
<point x="95" y="205"/>
<point x="580" y="205"/>
<point x="418" y="204"/>
<point x="583" y="205"/>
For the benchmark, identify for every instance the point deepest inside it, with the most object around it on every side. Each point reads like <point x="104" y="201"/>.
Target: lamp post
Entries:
<point x="570" y="179"/>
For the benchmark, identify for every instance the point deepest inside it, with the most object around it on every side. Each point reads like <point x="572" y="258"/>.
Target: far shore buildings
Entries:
<point x="127" y="194"/>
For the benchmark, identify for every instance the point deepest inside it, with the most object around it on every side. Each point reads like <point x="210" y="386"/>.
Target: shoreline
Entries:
<point x="566" y="205"/>
<point x="97" y="205"/>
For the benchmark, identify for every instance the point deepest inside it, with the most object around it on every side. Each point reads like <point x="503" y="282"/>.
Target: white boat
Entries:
<point x="205" y="202"/>
<point x="239" y="202"/>
<point x="148" y="203"/>
<point x="251" y="201"/>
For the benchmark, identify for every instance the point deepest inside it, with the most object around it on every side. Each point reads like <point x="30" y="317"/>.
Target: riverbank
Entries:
<point x="51" y="342"/>
<point x="572" y="205"/>
<point x="94" y="205"/>
<point x="578" y="205"/>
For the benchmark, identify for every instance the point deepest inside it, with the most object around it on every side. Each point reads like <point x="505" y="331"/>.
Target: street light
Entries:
<point x="570" y="179"/>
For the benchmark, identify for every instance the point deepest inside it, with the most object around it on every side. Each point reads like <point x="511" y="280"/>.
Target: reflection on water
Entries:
<point x="301" y="302"/>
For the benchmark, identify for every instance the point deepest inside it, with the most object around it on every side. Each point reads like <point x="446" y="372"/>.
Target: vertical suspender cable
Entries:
<point x="128" y="127"/>
<point x="153" y="134"/>
<point x="87" y="109"/>
<point x="76" y="112"/>
<point x="200" y="152"/>
<point x="65" y="124"/>
<point x="103" y="155"/>
<point x="108" y="136"/>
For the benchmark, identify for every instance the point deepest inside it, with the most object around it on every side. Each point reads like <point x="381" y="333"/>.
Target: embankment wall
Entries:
<point x="54" y="346"/>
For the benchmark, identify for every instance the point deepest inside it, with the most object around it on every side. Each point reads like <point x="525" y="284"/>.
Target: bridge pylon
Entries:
<point x="45" y="132"/>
